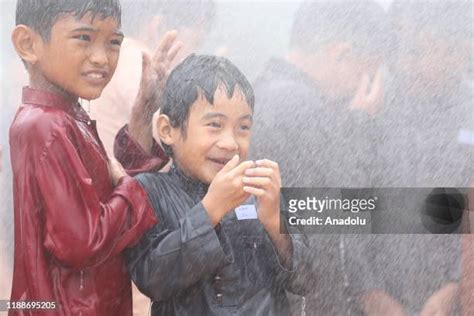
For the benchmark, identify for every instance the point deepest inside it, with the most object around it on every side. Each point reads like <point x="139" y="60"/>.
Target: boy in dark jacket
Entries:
<point x="219" y="248"/>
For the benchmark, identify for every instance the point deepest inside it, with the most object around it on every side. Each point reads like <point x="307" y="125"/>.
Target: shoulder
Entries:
<point x="152" y="179"/>
<point x="158" y="185"/>
<point x="37" y="126"/>
<point x="166" y="197"/>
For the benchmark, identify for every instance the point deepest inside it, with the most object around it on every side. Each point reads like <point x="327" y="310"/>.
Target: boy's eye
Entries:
<point x="214" y="124"/>
<point x="84" y="37"/>
<point x="116" y="42"/>
<point x="245" y="127"/>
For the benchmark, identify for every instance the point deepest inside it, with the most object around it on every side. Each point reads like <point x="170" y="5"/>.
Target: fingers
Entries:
<point x="146" y="70"/>
<point x="254" y="191"/>
<point x="164" y="46"/>
<point x="271" y="182"/>
<point x="261" y="168"/>
<point x="257" y="181"/>
<point x="231" y="164"/>
<point x="173" y="51"/>
<point x="265" y="168"/>
<point x="377" y="88"/>
<point x="240" y="169"/>
<point x="267" y="163"/>
<point x="364" y="85"/>
<point x="259" y="172"/>
<point x="266" y="174"/>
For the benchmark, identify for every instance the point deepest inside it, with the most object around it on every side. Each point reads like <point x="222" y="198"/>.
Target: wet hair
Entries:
<point x="177" y="14"/>
<point x="361" y="23"/>
<point x="200" y="76"/>
<point x="41" y="15"/>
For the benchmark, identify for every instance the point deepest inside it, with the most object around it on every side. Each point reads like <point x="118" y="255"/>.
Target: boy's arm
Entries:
<point x="134" y="145"/>
<point x="80" y="230"/>
<point x="155" y="71"/>
<point x="134" y="158"/>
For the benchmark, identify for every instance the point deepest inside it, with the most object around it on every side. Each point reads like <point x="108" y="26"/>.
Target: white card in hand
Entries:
<point x="246" y="212"/>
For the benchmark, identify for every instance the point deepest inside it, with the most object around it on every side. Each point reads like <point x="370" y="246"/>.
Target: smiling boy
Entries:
<point x="204" y="258"/>
<point x="75" y="210"/>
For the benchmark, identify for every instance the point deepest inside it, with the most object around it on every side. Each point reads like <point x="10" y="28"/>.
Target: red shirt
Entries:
<point x="71" y="224"/>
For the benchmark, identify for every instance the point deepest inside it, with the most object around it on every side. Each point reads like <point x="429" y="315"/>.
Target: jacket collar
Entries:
<point x="45" y="98"/>
<point x="189" y="184"/>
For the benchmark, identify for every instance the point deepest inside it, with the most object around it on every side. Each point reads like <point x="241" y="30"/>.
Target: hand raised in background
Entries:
<point x="155" y="71"/>
<point x="369" y="96"/>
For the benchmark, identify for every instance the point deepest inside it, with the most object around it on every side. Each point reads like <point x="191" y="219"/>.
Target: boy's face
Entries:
<point x="215" y="133"/>
<point x="80" y="57"/>
<point x="428" y="65"/>
<point x="343" y="69"/>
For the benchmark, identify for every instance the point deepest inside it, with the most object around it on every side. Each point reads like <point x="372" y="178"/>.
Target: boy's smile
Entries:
<point x="80" y="57"/>
<point x="214" y="134"/>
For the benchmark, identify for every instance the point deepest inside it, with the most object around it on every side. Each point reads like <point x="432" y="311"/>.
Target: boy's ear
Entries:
<point x="165" y="131"/>
<point x="25" y="42"/>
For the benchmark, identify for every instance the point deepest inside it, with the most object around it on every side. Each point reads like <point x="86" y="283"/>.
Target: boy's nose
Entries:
<point x="99" y="57"/>
<point x="228" y="142"/>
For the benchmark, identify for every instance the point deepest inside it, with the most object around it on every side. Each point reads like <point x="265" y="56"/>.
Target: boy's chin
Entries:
<point x="92" y="95"/>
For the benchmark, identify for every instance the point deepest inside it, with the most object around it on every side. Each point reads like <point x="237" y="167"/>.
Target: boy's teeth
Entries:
<point x="94" y="76"/>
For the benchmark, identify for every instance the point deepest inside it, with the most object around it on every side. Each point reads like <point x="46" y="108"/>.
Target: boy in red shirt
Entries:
<point x="75" y="210"/>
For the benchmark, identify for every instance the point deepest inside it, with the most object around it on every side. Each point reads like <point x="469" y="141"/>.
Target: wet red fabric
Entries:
<point x="132" y="156"/>
<point x="71" y="224"/>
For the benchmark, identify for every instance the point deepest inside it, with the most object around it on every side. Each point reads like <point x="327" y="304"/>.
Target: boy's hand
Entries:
<point x="264" y="182"/>
<point x="226" y="190"/>
<point x="369" y="97"/>
<point x="155" y="71"/>
<point x="116" y="171"/>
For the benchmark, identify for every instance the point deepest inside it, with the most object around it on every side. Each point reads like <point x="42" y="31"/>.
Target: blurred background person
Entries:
<point x="315" y="117"/>
<point x="424" y="141"/>
<point x="428" y="120"/>
<point x="309" y="100"/>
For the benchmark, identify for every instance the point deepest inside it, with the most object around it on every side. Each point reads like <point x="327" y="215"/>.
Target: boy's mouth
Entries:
<point x="220" y="161"/>
<point x="96" y="76"/>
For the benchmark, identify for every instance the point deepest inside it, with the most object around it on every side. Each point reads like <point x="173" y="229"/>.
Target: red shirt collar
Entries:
<point x="46" y="98"/>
